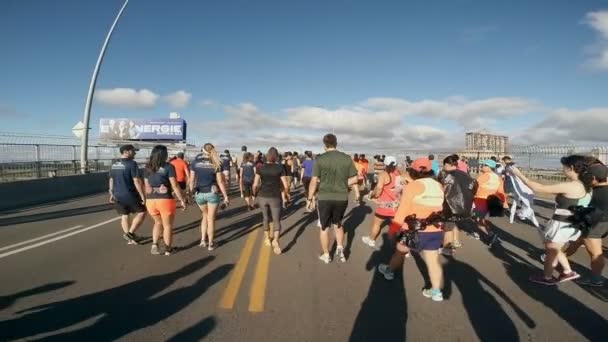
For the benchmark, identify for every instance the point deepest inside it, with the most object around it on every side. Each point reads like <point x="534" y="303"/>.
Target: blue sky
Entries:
<point x="417" y="73"/>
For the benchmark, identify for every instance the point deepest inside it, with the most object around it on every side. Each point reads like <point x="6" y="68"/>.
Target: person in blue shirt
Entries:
<point x="127" y="193"/>
<point x="434" y="165"/>
<point x="306" y="174"/>
<point x="161" y="184"/>
<point x="206" y="182"/>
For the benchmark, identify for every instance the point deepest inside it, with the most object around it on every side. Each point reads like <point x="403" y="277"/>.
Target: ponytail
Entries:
<point x="210" y="151"/>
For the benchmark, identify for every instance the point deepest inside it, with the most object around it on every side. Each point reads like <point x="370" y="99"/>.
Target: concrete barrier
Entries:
<point x="20" y="194"/>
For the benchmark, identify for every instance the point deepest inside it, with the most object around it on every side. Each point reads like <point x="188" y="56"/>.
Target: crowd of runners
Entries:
<point x="423" y="202"/>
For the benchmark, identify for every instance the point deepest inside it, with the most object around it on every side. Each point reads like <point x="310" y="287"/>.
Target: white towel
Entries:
<point x="524" y="198"/>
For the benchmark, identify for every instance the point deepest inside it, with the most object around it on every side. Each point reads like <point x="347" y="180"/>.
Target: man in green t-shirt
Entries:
<point x="334" y="171"/>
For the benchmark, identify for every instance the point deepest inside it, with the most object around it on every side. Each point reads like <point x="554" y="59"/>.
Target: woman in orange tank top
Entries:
<point x="423" y="196"/>
<point x="387" y="195"/>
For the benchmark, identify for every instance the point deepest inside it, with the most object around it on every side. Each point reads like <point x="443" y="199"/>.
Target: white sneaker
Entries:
<point x="368" y="241"/>
<point x="340" y="255"/>
<point x="386" y="271"/>
<point x="203" y="244"/>
<point x="325" y="258"/>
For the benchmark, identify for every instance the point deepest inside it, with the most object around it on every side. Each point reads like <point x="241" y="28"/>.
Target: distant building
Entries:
<point x="483" y="145"/>
<point x="486" y="142"/>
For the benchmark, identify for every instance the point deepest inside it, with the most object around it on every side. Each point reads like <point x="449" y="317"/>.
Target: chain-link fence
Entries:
<point x="24" y="157"/>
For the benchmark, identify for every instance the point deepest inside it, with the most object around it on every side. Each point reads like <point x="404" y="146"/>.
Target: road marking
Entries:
<point x="39" y="238"/>
<point x="57" y="238"/>
<point x="257" y="296"/>
<point x="234" y="284"/>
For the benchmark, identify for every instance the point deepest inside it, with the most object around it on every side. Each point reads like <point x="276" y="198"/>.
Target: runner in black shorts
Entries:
<point x="127" y="193"/>
<point x="334" y="172"/>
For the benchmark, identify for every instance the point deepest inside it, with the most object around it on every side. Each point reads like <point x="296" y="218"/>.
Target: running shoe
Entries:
<point x="340" y="254"/>
<point x="386" y="271"/>
<point x="568" y="276"/>
<point x="203" y="244"/>
<point x="590" y="281"/>
<point x="169" y="251"/>
<point x="128" y="238"/>
<point x="540" y="279"/>
<point x="474" y="235"/>
<point x="325" y="258"/>
<point x="435" y="294"/>
<point x="368" y="241"/>
<point x="212" y="246"/>
<point x="457" y="244"/>
<point x="543" y="257"/>
<point x="447" y="251"/>
<point x="154" y="250"/>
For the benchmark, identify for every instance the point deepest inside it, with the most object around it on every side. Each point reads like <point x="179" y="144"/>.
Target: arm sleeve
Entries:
<point x="316" y="172"/>
<point x="171" y="171"/>
<point x="134" y="170"/>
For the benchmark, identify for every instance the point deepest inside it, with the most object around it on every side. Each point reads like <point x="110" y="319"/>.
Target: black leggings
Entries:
<point x="306" y="183"/>
<point x="271" y="207"/>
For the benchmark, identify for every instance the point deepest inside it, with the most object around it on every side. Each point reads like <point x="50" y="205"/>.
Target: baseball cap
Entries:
<point x="124" y="148"/>
<point x="599" y="171"/>
<point x="489" y="163"/>
<point x="390" y="160"/>
<point x="422" y="163"/>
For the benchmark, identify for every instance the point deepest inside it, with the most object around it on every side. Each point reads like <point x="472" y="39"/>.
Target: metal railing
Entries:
<point x="24" y="157"/>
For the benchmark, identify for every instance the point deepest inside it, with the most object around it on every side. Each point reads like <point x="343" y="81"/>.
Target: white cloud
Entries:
<point x="178" y="100"/>
<point x="208" y="103"/>
<point x="568" y="126"/>
<point x="599" y="22"/>
<point x="127" y="98"/>
<point x="396" y="124"/>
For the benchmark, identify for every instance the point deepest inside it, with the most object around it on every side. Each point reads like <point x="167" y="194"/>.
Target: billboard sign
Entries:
<point x="142" y="129"/>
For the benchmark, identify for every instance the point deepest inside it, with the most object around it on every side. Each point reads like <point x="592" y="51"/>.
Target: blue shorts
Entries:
<point x="430" y="241"/>
<point x="207" y="198"/>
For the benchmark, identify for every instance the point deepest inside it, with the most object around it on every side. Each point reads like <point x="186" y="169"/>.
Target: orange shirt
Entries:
<point x="365" y="164"/>
<point x="181" y="169"/>
<point x="421" y="197"/>
<point x="490" y="184"/>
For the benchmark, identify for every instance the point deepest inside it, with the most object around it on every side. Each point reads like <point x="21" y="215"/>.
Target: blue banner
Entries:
<point x="142" y="129"/>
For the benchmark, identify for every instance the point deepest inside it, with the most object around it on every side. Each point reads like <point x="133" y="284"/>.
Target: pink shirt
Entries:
<point x="462" y="166"/>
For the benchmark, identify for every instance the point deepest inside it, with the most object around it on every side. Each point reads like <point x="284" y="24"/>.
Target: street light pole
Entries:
<point x="84" y="147"/>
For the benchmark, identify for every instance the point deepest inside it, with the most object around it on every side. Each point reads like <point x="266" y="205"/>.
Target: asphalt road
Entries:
<point x="68" y="275"/>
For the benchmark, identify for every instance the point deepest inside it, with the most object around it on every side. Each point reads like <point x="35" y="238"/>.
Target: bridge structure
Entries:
<point x="68" y="274"/>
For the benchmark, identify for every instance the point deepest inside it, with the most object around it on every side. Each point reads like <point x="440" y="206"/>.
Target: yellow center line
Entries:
<point x="257" y="296"/>
<point x="234" y="284"/>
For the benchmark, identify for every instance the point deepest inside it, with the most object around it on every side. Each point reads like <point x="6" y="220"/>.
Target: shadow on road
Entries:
<point x="55" y="214"/>
<point x="574" y="313"/>
<point x="485" y="313"/>
<point x="383" y="314"/>
<point x="302" y="224"/>
<point x="118" y="311"/>
<point x="352" y="221"/>
<point x="197" y="332"/>
<point x="7" y="301"/>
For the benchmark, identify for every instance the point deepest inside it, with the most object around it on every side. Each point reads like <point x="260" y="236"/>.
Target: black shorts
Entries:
<point x="182" y="185"/>
<point x="599" y="231"/>
<point x="129" y="206"/>
<point x="247" y="189"/>
<point x="331" y="213"/>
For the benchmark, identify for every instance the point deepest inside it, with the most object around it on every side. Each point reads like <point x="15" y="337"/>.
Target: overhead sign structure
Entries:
<point x="142" y="129"/>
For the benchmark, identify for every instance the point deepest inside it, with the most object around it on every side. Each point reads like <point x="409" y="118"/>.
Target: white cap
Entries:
<point x="390" y="160"/>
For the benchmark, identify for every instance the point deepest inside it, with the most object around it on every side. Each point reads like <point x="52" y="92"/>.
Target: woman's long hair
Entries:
<point x="158" y="158"/>
<point x="581" y="165"/>
<point x="209" y="151"/>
